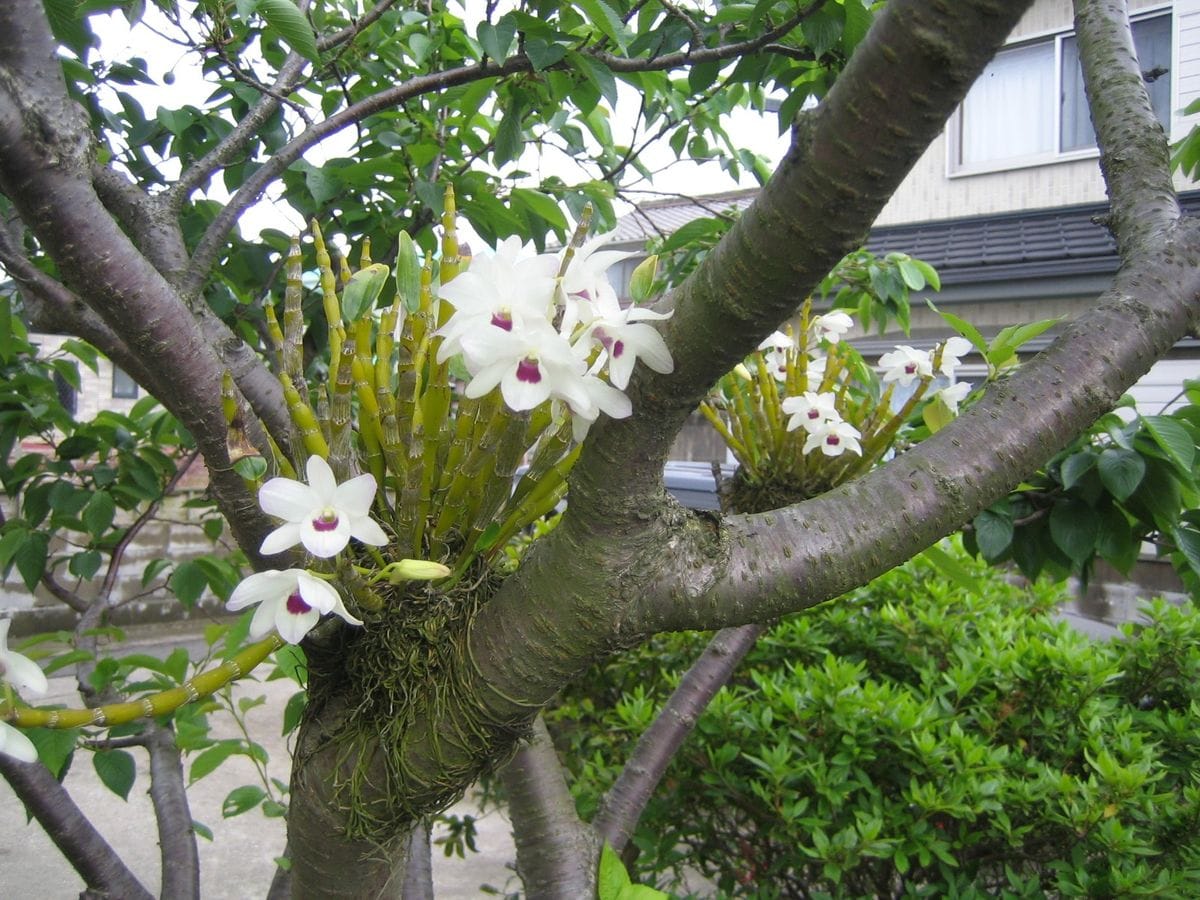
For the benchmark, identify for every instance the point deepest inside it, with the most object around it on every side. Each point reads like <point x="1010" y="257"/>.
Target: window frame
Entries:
<point x="955" y="168"/>
<point x="124" y="394"/>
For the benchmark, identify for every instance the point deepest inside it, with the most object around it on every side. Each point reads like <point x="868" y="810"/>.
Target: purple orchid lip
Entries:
<point x="833" y="440"/>
<point x="618" y="348"/>
<point x="502" y="320"/>
<point x="325" y="522"/>
<point x="528" y="371"/>
<point x="296" y="605"/>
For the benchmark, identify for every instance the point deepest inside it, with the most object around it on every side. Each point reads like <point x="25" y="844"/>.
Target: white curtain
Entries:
<point x="1009" y="111"/>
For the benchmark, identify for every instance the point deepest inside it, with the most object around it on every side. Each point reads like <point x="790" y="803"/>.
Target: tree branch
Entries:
<point x="626" y="800"/>
<point x="418" y="878"/>
<point x="80" y="844"/>
<point x="208" y="249"/>
<point x="847" y="158"/>
<point x="168" y="793"/>
<point x="556" y="852"/>
<point x="45" y="168"/>
<point x="1134" y="155"/>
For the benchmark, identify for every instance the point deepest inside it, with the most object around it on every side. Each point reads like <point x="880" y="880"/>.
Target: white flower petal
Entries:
<point x="285" y="536"/>
<point x="15" y="744"/>
<point x="24" y="674"/>
<point x="261" y="587"/>
<point x="292" y="627"/>
<point x="318" y="594"/>
<point x="263" y="622"/>
<point x="355" y="496"/>
<point x="287" y="499"/>
<point x="368" y="531"/>
<point x="325" y="543"/>
<point x="321" y="480"/>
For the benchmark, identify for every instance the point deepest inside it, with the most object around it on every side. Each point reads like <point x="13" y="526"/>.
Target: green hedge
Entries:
<point x="916" y="739"/>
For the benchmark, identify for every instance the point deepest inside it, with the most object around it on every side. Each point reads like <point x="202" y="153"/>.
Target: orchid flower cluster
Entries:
<point x="414" y="466"/>
<point x="806" y="412"/>
<point x="547" y="327"/>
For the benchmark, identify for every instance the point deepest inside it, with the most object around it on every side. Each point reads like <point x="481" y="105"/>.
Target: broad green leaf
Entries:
<point x="85" y="564"/>
<point x="291" y="662"/>
<point x="994" y="531"/>
<point x="1076" y="466"/>
<point x="188" y="582"/>
<point x="542" y="206"/>
<point x="605" y="18"/>
<point x="497" y="39"/>
<point x="1009" y="340"/>
<point x="937" y="415"/>
<point x="1174" y="439"/>
<point x="543" y="54"/>
<point x="912" y="274"/>
<point x="963" y="327"/>
<point x="408" y="273"/>
<point x="1115" y="540"/>
<point x="1188" y="542"/>
<point x="202" y="830"/>
<point x="55" y="747"/>
<point x="1121" y="471"/>
<point x="242" y="800"/>
<point x="612" y="876"/>
<point x="251" y="468"/>
<point x="598" y="74"/>
<point x="293" y="711"/>
<point x="952" y="569"/>
<point x="30" y="558"/>
<point x="211" y="759"/>
<point x="116" y="770"/>
<point x="1074" y="528"/>
<point x="98" y="514"/>
<point x="362" y="291"/>
<point x="285" y="19"/>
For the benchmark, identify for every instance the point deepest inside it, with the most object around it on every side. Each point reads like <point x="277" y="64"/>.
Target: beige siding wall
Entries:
<point x="96" y="392"/>
<point x="931" y="193"/>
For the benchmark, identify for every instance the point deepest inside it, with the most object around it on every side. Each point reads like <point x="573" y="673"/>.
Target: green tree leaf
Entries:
<point x="1174" y="439"/>
<point x="994" y="531"/>
<point x="612" y="877"/>
<point x="1074" y="528"/>
<point x="285" y="19"/>
<point x="188" y="581"/>
<point x="1121" y="471"/>
<point x="116" y="770"/>
<point x="241" y="800"/>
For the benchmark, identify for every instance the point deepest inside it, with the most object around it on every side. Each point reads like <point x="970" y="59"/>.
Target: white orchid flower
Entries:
<point x="499" y="291"/>
<point x="15" y="744"/>
<point x="810" y="410"/>
<point x="834" y="439"/>
<point x="954" y="395"/>
<point x="625" y="337"/>
<point x="322" y="515"/>
<point x="19" y="670"/>
<point x="905" y="364"/>
<point x="831" y="326"/>
<point x="290" y="601"/>
<point x="951" y="351"/>
<point x="530" y="364"/>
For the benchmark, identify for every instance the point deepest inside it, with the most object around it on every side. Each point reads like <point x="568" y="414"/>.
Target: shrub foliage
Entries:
<point x="918" y="739"/>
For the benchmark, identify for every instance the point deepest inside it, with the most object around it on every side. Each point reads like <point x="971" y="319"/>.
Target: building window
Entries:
<point x="66" y="393"/>
<point x="1028" y="107"/>
<point x="123" y="387"/>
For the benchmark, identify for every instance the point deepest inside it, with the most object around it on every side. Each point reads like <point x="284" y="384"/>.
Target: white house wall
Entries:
<point x="931" y="192"/>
